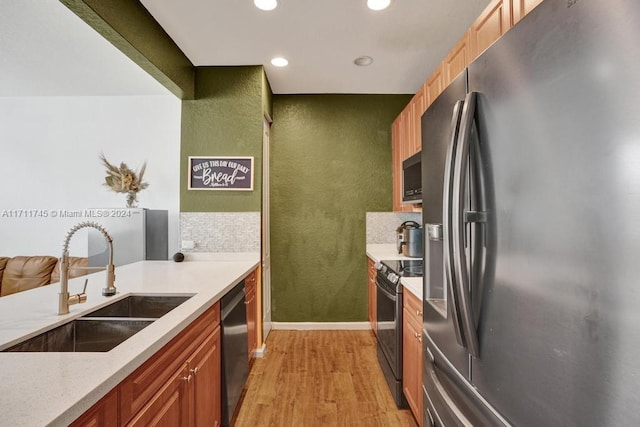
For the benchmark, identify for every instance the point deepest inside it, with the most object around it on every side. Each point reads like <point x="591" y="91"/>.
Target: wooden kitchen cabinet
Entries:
<point x="371" y="274"/>
<point x="164" y="382"/>
<point x="399" y="135"/>
<point x="494" y="21"/>
<point x="252" y="313"/>
<point x="412" y="353"/>
<point x="458" y="59"/>
<point x="169" y="406"/>
<point x="406" y="141"/>
<point x="520" y="8"/>
<point x="102" y="414"/>
<point x="406" y="136"/>
<point x="395" y="170"/>
<point x="192" y="395"/>
<point x="205" y="385"/>
<point x="418" y="107"/>
<point x="434" y="85"/>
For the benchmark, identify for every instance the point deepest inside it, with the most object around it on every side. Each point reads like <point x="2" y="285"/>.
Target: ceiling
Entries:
<point x="54" y="53"/>
<point x="321" y="38"/>
<point x="47" y="50"/>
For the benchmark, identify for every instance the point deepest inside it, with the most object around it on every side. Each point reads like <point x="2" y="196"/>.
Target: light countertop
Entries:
<point x="40" y="389"/>
<point x="384" y="251"/>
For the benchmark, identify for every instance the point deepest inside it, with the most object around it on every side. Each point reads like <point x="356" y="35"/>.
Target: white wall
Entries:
<point x="49" y="148"/>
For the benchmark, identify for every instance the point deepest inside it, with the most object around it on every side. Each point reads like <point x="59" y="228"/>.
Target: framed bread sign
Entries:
<point x="221" y="173"/>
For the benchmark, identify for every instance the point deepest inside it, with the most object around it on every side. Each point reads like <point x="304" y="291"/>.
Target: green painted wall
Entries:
<point x="132" y="29"/>
<point x="224" y="119"/>
<point x="267" y="96"/>
<point x="330" y="164"/>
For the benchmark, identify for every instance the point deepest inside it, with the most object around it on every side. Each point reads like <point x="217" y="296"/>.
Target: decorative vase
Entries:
<point x="132" y="199"/>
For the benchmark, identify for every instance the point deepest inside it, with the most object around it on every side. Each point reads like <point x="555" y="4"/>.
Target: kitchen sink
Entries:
<point x="83" y="335"/>
<point x="105" y="328"/>
<point x="141" y="306"/>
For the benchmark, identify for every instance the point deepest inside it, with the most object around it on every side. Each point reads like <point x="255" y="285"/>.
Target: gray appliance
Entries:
<point x="389" y="320"/>
<point x="235" y="350"/>
<point x="138" y="235"/>
<point x="409" y="239"/>
<point x="531" y="293"/>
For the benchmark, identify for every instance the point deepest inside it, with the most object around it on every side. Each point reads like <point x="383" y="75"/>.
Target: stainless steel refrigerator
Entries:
<point x="531" y="200"/>
<point x="138" y="234"/>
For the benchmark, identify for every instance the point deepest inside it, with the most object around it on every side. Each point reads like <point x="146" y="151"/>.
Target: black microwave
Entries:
<point x="412" y="179"/>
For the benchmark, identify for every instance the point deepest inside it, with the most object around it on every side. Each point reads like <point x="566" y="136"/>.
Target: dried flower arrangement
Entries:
<point x="125" y="180"/>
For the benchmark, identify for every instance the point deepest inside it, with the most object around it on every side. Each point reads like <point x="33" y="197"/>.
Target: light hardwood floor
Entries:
<point x="319" y="378"/>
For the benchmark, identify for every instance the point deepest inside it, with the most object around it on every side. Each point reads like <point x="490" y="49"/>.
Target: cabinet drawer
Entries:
<point x="145" y="381"/>
<point x="413" y="307"/>
<point x="251" y="279"/>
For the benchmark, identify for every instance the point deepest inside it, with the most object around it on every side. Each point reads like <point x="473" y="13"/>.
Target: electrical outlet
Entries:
<point x="188" y="244"/>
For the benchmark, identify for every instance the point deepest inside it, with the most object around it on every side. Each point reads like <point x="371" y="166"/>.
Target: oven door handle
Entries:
<point x="387" y="293"/>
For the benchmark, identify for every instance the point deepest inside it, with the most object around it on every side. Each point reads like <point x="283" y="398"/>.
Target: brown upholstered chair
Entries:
<point x="26" y="272"/>
<point x="3" y="263"/>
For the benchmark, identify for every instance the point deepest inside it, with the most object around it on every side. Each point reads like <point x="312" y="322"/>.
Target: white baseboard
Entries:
<point x="259" y="352"/>
<point x="320" y="326"/>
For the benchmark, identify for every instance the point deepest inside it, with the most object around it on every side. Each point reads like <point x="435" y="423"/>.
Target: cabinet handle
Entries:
<point x="418" y="313"/>
<point x="194" y="370"/>
<point x="419" y="337"/>
<point x="187" y="378"/>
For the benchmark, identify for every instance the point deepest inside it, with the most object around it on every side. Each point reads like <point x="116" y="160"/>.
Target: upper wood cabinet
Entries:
<point x="434" y="85"/>
<point x="396" y="164"/>
<point x="406" y="136"/>
<point x="490" y="26"/>
<point x="457" y="59"/>
<point x="418" y="107"/>
<point x="519" y="8"/>
<point x="406" y="140"/>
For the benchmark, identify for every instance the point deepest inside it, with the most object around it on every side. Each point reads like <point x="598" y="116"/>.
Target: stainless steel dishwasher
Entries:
<point x="235" y="353"/>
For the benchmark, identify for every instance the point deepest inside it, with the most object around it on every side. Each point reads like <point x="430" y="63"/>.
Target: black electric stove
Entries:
<point x="394" y="269"/>
<point x="389" y="320"/>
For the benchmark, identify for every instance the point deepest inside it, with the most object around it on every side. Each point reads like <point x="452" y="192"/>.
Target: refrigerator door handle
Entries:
<point x="447" y="224"/>
<point x="462" y="282"/>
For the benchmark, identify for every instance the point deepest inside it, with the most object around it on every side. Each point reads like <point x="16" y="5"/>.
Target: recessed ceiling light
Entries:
<point x="378" y="4"/>
<point x="279" y="62"/>
<point x="363" y="61"/>
<point x="266" y="4"/>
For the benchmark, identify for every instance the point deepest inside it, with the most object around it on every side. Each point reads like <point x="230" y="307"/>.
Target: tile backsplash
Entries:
<point x="221" y="231"/>
<point x="381" y="226"/>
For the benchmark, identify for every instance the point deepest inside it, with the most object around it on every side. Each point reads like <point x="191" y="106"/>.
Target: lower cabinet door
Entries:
<point x="169" y="407"/>
<point x="205" y="368"/>
<point x="411" y="365"/>
<point x="102" y="414"/>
